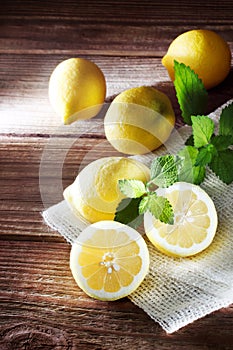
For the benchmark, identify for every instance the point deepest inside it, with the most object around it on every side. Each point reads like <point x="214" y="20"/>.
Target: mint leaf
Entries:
<point x="164" y="171"/>
<point x="190" y="141"/>
<point x="189" y="172"/>
<point x="205" y="155"/>
<point x="127" y="212"/>
<point x="190" y="92"/>
<point x="132" y="188"/>
<point x="222" y="142"/>
<point x="143" y="205"/>
<point x="158" y="206"/>
<point x="203" y="128"/>
<point x="226" y="121"/>
<point x="222" y="165"/>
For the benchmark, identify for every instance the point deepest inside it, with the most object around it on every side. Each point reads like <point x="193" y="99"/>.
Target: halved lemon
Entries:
<point x="109" y="260"/>
<point x="195" y="221"/>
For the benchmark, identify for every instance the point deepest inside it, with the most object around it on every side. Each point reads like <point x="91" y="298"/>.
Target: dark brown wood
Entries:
<point x="40" y="302"/>
<point x="81" y="27"/>
<point x="41" y="307"/>
<point x="25" y="108"/>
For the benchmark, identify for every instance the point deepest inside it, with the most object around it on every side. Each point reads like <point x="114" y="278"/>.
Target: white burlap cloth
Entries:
<point x="177" y="291"/>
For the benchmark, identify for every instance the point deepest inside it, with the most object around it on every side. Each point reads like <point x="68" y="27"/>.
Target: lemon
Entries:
<point x="109" y="260"/>
<point x="95" y="194"/>
<point x="195" y="221"/>
<point x="139" y="120"/>
<point x="207" y="53"/>
<point x="77" y="89"/>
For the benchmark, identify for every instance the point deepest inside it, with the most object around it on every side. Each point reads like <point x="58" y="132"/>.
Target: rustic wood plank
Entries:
<point x="108" y="10"/>
<point x="33" y="174"/>
<point x="70" y="38"/>
<point x="25" y="107"/>
<point x="98" y="27"/>
<point x="40" y="305"/>
<point x="40" y="302"/>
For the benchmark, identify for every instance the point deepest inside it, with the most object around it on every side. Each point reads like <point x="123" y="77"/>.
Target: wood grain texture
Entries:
<point x="151" y="41"/>
<point x="123" y="10"/>
<point x="41" y="307"/>
<point x="33" y="174"/>
<point x="107" y="27"/>
<point x="25" y="107"/>
<point x="40" y="301"/>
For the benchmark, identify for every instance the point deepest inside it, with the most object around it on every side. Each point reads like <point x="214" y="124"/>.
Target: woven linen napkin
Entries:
<point x="177" y="291"/>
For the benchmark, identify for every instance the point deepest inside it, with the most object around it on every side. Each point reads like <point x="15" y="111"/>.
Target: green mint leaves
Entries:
<point x="213" y="150"/>
<point x="132" y="188"/>
<point x="164" y="171"/>
<point x="190" y="171"/>
<point x="226" y="121"/>
<point x="203" y="148"/>
<point x="222" y="165"/>
<point x="159" y="207"/>
<point x="205" y="155"/>
<point x="127" y="212"/>
<point x="190" y="91"/>
<point x="130" y="210"/>
<point x="203" y="128"/>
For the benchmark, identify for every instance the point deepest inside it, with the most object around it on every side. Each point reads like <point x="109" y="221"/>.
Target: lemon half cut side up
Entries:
<point x="195" y="221"/>
<point x="109" y="260"/>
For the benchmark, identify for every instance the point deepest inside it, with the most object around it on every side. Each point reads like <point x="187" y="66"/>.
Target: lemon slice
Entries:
<point x="109" y="260"/>
<point x="195" y="221"/>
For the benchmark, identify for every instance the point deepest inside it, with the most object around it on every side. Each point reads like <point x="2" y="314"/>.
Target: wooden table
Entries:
<point x="41" y="306"/>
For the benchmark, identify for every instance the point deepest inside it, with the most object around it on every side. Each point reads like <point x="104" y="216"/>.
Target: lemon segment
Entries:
<point x="139" y="120"/>
<point x="195" y="221"/>
<point x="109" y="260"/>
<point x="204" y="51"/>
<point x="77" y="89"/>
<point x="95" y="194"/>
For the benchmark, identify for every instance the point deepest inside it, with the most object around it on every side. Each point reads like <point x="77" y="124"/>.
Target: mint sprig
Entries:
<point x="222" y="165"/>
<point x="213" y="150"/>
<point x="205" y="155"/>
<point x="203" y="148"/>
<point x="164" y="171"/>
<point x="132" y="188"/>
<point x="158" y="206"/>
<point x="203" y="128"/>
<point x="226" y="121"/>
<point x="190" y="91"/>
<point x="127" y="212"/>
<point x="190" y="171"/>
<point x="222" y="142"/>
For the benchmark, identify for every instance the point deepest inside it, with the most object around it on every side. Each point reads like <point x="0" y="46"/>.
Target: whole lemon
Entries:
<point x="95" y="194"/>
<point x="206" y="52"/>
<point x="77" y="89"/>
<point x="139" y="120"/>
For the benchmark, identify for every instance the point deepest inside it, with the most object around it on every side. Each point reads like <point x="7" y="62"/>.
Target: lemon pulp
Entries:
<point x="195" y="221"/>
<point x="109" y="260"/>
